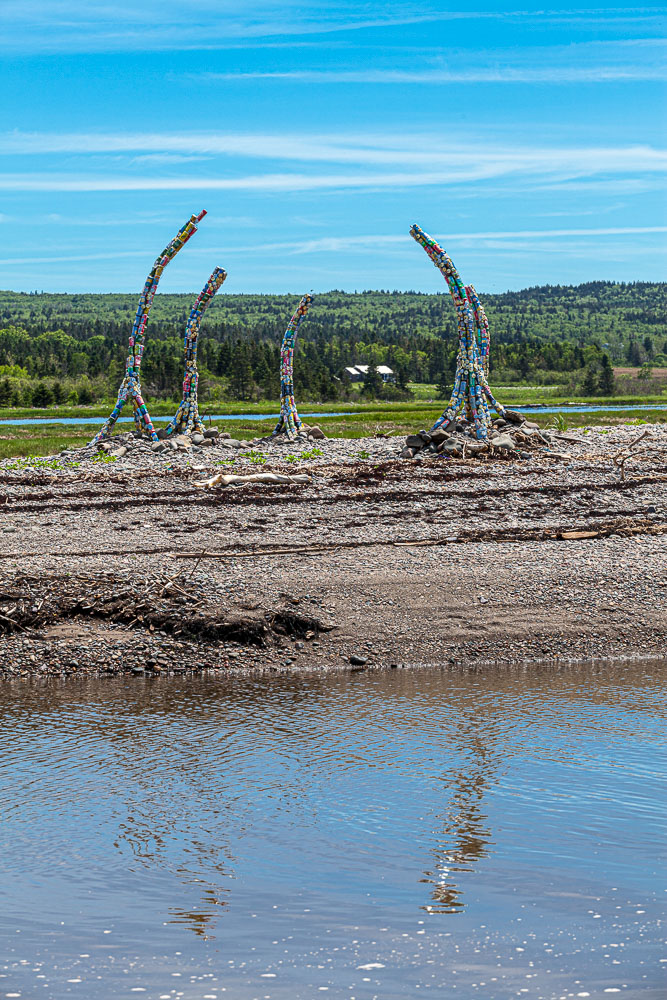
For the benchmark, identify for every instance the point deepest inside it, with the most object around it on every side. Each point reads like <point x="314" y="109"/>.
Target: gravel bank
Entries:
<point x="433" y="559"/>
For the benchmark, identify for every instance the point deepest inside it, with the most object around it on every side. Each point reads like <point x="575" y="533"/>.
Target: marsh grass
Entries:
<point x="393" y="419"/>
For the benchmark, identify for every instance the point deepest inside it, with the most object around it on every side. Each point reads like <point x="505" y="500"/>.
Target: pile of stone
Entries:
<point x="120" y="444"/>
<point x="513" y="434"/>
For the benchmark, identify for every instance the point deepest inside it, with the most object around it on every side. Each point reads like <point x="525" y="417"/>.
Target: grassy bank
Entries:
<point x="390" y="418"/>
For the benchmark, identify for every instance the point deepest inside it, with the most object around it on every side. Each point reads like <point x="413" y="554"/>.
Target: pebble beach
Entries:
<point x="119" y="560"/>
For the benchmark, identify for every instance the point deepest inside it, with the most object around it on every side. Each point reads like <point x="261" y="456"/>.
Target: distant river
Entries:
<point x="274" y="416"/>
<point x="453" y="833"/>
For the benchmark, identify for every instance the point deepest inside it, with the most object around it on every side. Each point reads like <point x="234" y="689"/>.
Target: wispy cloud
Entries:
<point x="338" y="244"/>
<point x="427" y="151"/>
<point x="100" y="26"/>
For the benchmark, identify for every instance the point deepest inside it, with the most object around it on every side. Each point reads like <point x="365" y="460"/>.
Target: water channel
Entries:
<point x="567" y="408"/>
<point x="460" y="833"/>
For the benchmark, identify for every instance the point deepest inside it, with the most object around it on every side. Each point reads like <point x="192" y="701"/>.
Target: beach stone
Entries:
<point x="207" y="443"/>
<point x="414" y="441"/>
<point x="197" y="438"/>
<point x="212" y="432"/>
<point x="358" y="661"/>
<point x="503" y="441"/>
<point x="513" y="417"/>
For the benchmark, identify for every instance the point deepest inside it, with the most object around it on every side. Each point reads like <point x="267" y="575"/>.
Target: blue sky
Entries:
<point x="531" y="143"/>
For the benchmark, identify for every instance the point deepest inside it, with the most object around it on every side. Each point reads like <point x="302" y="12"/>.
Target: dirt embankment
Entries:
<point x="382" y="561"/>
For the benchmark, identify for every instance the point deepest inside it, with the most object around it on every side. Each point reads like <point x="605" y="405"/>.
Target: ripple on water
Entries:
<point x="387" y="832"/>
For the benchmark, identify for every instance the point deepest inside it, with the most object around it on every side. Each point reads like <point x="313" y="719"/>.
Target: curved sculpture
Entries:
<point x="130" y="387"/>
<point x="289" y="421"/>
<point x="471" y="389"/>
<point x="482" y="325"/>
<point x="186" y="418"/>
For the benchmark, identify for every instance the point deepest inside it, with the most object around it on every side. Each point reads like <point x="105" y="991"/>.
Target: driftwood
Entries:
<point x="600" y="530"/>
<point x="621" y="457"/>
<point x="272" y="478"/>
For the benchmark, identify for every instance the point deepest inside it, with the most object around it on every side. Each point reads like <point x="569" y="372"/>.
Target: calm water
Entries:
<point x="498" y="834"/>
<point x="274" y="416"/>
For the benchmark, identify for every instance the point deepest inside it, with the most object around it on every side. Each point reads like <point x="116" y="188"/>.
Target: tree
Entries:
<point x="58" y="393"/>
<point x="241" y="380"/>
<point x="42" y="395"/>
<point x="444" y="386"/>
<point x="85" y="395"/>
<point x="607" y="380"/>
<point x="372" y="383"/>
<point x="645" y="372"/>
<point x="5" y="392"/>
<point x="590" y="383"/>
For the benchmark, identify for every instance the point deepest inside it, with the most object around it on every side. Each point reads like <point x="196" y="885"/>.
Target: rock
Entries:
<point x="230" y="442"/>
<point x="503" y="441"/>
<point x="212" y="432"/>
<point x="158" y="446"/>
<point x="207" y="443"/>
<point x="513" y="417"/>
<point x="414" y="441"/>
<point x="425" y="436"/>
<point x="476" y="447"/>
<point x="119" y="452"/>
<point x="162" y="433"/>
<point x="225" y="434"/>
<point x="358" y="661"/>
<point x="407" y="453"/>
<point x="317" y="433"/>
<point x="183" y="441"/>
<point x="197" y="438"/>
<point x="439" y="435"/>
<point x="171" y="444"/>
<point x="451" y="445"/>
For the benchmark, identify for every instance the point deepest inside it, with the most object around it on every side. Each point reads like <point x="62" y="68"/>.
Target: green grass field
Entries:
<point x="385" y="418"/>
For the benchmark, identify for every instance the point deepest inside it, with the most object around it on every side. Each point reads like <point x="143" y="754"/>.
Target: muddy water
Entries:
<point x="372" y="835"/>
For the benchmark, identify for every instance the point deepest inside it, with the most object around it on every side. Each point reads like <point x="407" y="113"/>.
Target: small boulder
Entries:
<point x="158" y="445"/>
<point x="513" y="417"/>
<point x="226" y="435"/>
<point x="207" y="443"/>
<point x="317" y="433"/>
<point x="183" y="441"/>
<point x="197" y="438"/>
<point x="211" y="432"/>
<point x="503" y="441"/>
<point x="119" y="452"/>
<point x="407" y="453"/>
<point x="162" y="434"/>
<point x="439" y="435"/>
<point x="414" y="441"/>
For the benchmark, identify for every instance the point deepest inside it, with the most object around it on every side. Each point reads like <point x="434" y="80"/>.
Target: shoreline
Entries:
<point x="465" y="562"/>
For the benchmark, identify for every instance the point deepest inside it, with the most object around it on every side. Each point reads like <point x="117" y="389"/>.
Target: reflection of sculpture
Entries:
<point x="131" y="385"/>
<point x="187" y="416"/>
<point x="471" y="389"/>
<point x="465" y="833"/>
<point x="289" y="422"/>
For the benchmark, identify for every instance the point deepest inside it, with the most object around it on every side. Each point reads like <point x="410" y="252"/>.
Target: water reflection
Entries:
<point x="466" y="835"/>
<point x="300" y="809"/>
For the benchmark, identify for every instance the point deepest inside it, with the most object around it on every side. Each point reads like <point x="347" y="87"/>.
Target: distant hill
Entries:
<point x="607" y="311"/>
<point x="76" y="344"/>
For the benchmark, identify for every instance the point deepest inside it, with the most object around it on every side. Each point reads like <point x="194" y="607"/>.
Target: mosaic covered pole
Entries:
<point x="130" y="387"/>
<point x="482" y="327"/>
<point x="471" y="388"/>
<point x="187" y="419"/>
<point x="289" y="422"/>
